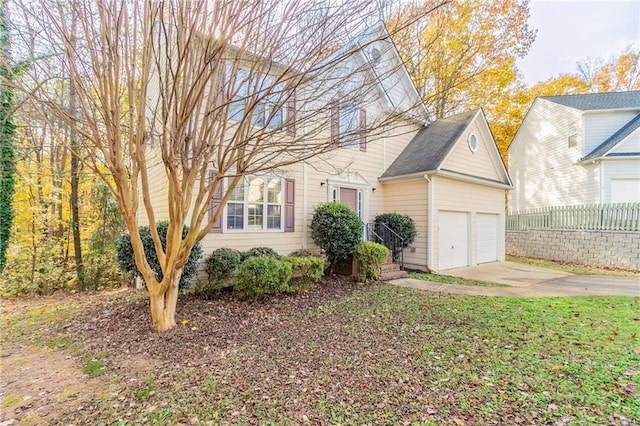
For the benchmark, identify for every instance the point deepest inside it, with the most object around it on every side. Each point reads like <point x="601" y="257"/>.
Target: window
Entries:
<point x="256" y="204"/>
<point x="473" y="142"/>
<point x="270" y="109"/>
<point x="573" y="136"/>
<point x="348" y="126"/>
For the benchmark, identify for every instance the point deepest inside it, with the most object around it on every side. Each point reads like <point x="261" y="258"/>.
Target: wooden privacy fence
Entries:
<point x="605" y="217"/>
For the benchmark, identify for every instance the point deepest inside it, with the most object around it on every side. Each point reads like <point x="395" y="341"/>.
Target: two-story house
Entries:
<point x="577" y="149"/>
<point x="386" y="156"/>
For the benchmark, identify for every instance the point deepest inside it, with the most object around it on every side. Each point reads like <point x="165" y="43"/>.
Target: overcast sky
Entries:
<point x="572" y="31"/>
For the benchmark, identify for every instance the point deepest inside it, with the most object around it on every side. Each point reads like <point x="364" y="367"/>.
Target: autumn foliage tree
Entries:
<point x="195" y="92"/>
<point x="464" y="52"/>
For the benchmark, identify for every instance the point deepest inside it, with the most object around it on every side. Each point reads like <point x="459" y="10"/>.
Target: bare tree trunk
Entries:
<point x="163" y="302"/>
<point x="75" y="179"/>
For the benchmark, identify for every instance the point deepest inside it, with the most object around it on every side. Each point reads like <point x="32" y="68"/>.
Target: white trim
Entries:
<point x="450" y="175"/>
<point x="430" y="228"/>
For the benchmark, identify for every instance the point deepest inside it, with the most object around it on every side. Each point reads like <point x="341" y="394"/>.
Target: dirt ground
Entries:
<point x="41" y="374"/>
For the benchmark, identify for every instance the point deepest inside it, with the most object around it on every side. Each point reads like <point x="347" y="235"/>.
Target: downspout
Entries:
<point x="601" y="181"/>
<point x="305" y="228"/>
<point x="430" y="186"/>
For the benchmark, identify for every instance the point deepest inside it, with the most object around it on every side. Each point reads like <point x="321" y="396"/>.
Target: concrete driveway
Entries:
<point x="529" y="281"/>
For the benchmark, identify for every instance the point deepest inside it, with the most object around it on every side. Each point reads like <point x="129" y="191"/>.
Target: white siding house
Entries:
<point x="577" y="149"/>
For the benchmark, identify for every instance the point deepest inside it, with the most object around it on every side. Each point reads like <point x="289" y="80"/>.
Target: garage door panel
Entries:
<point x="453" y="235"/>
<point x="486" y="237"/>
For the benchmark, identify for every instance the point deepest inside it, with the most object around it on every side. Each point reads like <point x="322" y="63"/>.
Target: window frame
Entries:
<point x="263" y="202"/>
<point x="350" y="136"/>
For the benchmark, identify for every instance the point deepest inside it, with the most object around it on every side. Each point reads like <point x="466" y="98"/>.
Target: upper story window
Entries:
<point x="348" y="125"/>
<point x="272" y="105"/>
<point x="573" y="136"/>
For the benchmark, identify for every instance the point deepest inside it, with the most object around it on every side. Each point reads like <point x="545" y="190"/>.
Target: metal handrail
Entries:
<point x="382" y="234"/>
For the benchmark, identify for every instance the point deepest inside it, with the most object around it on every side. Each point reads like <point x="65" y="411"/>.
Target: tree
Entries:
<point x="199" y="92"/>
<point x="620" y="73"/>
<point x="462" y="55"/>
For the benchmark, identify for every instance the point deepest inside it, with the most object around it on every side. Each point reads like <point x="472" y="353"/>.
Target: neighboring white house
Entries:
<point x="577" y="149"/>
<point x="457" y="198"/>
<point x="451" y="180"/>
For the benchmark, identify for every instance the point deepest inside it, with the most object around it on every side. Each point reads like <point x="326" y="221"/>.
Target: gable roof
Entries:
<point x="598" y="101"/>
<point x="374" y="35"/>
<point x="606" y="146"/>
<point x="430" y="146"/>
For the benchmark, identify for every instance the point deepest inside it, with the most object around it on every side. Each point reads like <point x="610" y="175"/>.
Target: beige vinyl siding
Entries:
<point x="458" y="196"/>
<point x="599" y="126"/>
<point x="480" y="163"/>
<point x="410" y="198"/>
<point x="542" y="166"/>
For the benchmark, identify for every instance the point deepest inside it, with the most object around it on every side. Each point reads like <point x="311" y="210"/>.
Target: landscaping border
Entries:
<point x="606" y="249"/>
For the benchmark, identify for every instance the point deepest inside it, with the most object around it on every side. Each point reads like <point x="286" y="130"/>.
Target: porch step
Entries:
<point x="386" y="276"/>
<point x="391" y="271"/>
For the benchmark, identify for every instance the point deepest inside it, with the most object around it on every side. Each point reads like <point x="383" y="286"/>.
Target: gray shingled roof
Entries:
<point x="430" y="145"/>
<point x="598" y="101"/>
<point x="602" y="149"/>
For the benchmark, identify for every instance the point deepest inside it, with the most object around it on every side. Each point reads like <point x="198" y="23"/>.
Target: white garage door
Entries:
<point x="625" y="190"/>
<point x="453" y="232"/>
<point x="487" y="237"/>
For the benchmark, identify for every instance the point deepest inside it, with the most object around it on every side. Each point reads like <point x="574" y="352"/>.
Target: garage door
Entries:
<point x="487" y="237"/>
<point x="453" y="232"/>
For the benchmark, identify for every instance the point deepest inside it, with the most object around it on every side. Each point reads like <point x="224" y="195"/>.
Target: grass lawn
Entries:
<point x="436" y="278"/>
<point x="373" y="355"/>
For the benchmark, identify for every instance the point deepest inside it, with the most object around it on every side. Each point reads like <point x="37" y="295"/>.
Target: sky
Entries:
<point x="574" y="31"/>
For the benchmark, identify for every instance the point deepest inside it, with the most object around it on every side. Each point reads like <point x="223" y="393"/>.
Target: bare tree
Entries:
<point x="200" y="91"/>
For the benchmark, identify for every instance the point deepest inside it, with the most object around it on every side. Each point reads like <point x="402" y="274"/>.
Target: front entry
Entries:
<point x="349" y="197"/>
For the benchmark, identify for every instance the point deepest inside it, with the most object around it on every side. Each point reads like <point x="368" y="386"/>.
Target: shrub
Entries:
<point x="301" y="253"/>
<point x="221" y="265"/>
<point x="371" y="257"/>
<point x="402" y="225"/>
<point x="261" y="275"/>
<point x="127" y="263"/>
<point x="259" y="251"/>
<point x="337" y="230"/>
<point x="305" y="271"/>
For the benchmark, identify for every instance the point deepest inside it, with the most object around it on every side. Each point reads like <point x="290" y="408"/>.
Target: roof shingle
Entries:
<point x="430" y="146"/>
<point x="598" y="101"/>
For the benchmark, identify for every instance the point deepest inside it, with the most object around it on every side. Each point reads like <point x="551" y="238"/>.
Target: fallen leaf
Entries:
<point x="185" y="322"/>
<point x="458" y="421"/>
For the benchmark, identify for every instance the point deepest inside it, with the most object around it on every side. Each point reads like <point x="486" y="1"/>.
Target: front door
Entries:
<point x="349" y="197"/>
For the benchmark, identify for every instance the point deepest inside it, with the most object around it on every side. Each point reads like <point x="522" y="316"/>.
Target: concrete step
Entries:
<point x="393" y="275"/>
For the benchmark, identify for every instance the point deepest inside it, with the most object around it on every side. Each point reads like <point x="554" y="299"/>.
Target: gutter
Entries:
<point x="447" y="174"/>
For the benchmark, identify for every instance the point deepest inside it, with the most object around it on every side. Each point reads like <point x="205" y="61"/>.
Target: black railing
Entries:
<point x="380" y="233"/>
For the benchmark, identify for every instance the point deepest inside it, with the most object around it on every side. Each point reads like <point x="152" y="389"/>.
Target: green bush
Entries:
<point x="402" y="225"/>
<point x="301" y="253"/>
<point x="305" y="271"/>
<point x="337" y="230"/>
<point x="371" y="257"/>
<point x="259" y="251"/>
<point x="127" y="263"/>
<point x="221" y="265"/>
<point x="261" y="275"/>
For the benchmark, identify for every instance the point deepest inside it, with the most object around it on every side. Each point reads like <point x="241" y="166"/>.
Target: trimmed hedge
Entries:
<point x="221" y="265"/>
<point x="371" y="257"/>
<point x="259" y="276"/>
<point x="337" y="230"/>
<point x="306" y="271"/>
